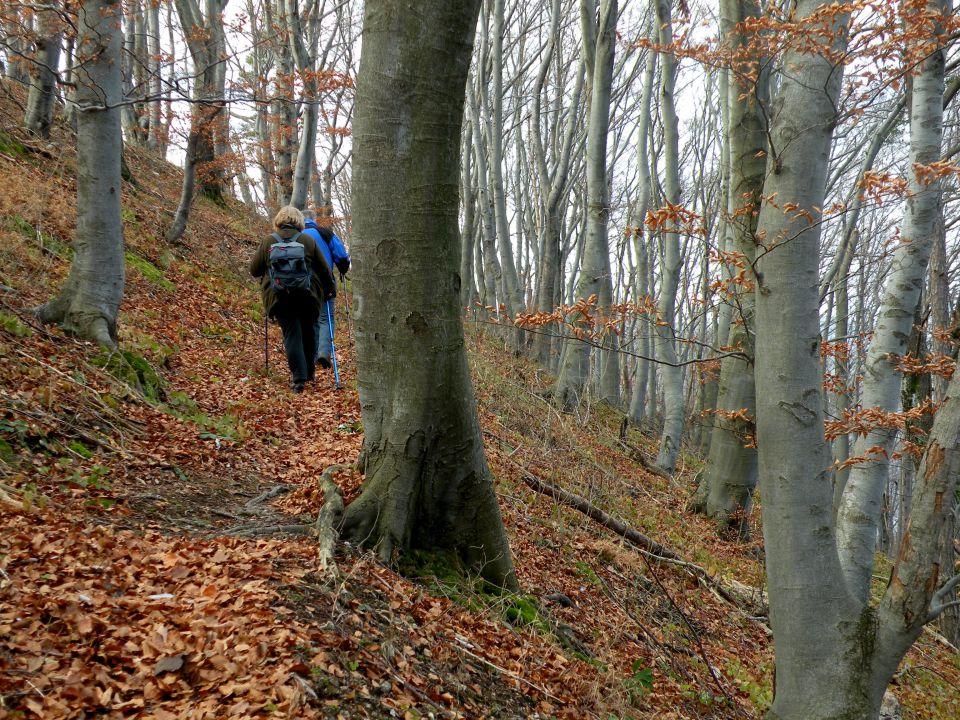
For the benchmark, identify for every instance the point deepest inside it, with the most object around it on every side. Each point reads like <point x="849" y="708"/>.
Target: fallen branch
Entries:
<point x="268" y="495"/>
<point x="251" y="531"/>
<point x="647" y="546"/>
<point x="594" y="513"/>
<point x="327" y="526"/>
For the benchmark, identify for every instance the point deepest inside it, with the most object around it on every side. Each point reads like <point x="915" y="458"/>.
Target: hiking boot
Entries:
<point x="324" y="362"/>
<point x="297" y="387"/>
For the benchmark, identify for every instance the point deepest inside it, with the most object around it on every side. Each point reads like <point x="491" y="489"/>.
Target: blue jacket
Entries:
<point x="330" y="245"/>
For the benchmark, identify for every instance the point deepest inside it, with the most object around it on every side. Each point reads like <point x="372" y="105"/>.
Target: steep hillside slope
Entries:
<point x="156" y="560"/>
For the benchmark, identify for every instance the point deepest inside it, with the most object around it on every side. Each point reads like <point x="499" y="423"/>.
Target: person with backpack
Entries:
<point x="296" y="281"/>
<point x="336" y="256"/>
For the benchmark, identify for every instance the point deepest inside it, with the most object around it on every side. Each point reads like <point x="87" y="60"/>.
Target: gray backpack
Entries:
<point x="290" y="272"/>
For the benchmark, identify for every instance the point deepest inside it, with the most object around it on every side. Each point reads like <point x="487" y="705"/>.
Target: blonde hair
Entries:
<point x="287" y="216"/>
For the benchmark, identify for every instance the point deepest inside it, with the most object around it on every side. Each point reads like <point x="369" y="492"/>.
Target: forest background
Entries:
<point x="628" y="177"/>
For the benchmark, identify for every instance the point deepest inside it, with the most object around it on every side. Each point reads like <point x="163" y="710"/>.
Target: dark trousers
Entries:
<point x="299" y="342"/>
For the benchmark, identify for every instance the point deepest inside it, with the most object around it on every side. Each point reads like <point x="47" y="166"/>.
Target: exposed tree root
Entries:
<point x="329" y="518"/>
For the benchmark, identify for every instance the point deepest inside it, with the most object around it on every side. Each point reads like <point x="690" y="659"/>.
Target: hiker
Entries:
<point x="336" y="256"/>
<point x="294" y="294"/>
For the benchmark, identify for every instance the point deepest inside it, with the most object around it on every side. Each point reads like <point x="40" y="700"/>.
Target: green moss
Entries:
<point x="588" y="573"/>
<point x="80" y="449"/>
<point x="7" y="453"/>
<point x="225" y="427"/>
<point x="12" y="325"/>
<point x="524" y="611"/>
<point x="9" y="146"/>
<point x="135" y="371"/>
<point x="149" y="271"/>
<point x="22" y="225"/>
<point x="444" y="566"/>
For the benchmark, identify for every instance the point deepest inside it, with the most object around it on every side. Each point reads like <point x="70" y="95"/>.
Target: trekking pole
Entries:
<point x="266" y="345"/>
<point x="333" y="349"/>
<point x="346" y="300"/>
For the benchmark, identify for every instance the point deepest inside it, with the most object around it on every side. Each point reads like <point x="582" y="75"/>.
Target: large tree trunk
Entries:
<point x="156" y="138"/>
<point x="43" y="72"/>
<point x="731" y="471"/>
<point x="511" y="296"/>
<point x="552" y="187"/>
<point x="205" y="39"/>
<point x="809" y="603"/>
<point x="427" y="484"/>
<point x="599" y="38"/>
<point x="90" y="298"/>
<point x="835" y="654"/>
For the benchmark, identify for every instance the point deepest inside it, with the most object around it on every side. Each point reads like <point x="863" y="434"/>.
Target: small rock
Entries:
<point x="890" y="709"/>
<point x="560" y="599"/>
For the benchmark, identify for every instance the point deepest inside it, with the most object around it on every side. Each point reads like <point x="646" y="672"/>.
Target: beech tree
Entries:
<point x="427" y="484"/>
<point x="599" y="22"/>
<point x="835" y="652"/>
<point x="731" y="472"/>
<point x="89" y="300"/>
<point x="43" y="70"/>
<point x="204" y="34"/>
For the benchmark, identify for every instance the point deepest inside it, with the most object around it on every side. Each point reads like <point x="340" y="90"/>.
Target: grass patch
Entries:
<point x="9" y="146"/>
<point x="225" y="427"/>
<point x="12" y="325"/>
<point x="149" y="271"/>
<point x="133" y="370"/>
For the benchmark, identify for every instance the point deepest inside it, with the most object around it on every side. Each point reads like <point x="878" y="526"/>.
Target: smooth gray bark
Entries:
<point x="858" y="514"/>
<point x="427" y="484"/>
<point x="731" y="470"/>
<point x="670" y="372"/>
<point x="835" y="654"/>
<point x="512" y="296"/>
<point x="643" y="326"/>
<point x="599" y="42"/>
<point x="553" y="185"/>
<point x="206" y="41"/>
<point x="89" y="300"/>
<point x="43" y="72"/>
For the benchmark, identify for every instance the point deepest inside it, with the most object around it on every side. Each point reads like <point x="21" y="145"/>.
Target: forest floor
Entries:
<point x="153" y="562"/>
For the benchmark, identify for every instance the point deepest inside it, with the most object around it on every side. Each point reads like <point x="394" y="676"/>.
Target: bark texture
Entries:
<point x="673" y="401"/>
<point x="427" y="482"/>
<point x="731" y="471"/>
<point x="858" y="514"/>
<point x="89" y="300"/>
<point x="599" y="38"/>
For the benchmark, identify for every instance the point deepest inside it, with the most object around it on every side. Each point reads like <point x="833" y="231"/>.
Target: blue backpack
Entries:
<point x="290" y="272"/>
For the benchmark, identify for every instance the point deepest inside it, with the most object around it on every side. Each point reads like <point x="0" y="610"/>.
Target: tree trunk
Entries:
<point x="89" y="300"/>
<point x="835" y="654"/>
<point x="671" y="373"/>
<point x="599" y="39"/>
<point x="305" y="55"/>
<point x="43" y="73"/>
<point x="156" y="138"/>
<point x="468" y="287"/>
<point x="859" y="511"/>
<point x="731" y="470"/>
<point x="427" y="484"/>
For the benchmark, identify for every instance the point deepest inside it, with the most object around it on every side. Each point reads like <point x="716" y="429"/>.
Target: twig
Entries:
<point x="506" y="672"/>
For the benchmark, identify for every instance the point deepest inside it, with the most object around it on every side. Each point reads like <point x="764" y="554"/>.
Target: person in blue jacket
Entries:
<point x="337" y="257"/>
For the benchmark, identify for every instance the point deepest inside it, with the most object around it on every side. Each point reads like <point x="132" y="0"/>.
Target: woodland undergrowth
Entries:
<point x="152" y="563"/>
